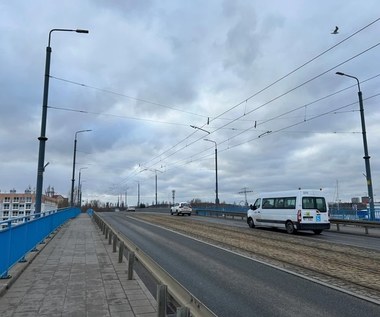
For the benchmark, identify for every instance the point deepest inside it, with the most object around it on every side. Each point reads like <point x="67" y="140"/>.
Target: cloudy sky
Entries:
<point x="258" y="76"/>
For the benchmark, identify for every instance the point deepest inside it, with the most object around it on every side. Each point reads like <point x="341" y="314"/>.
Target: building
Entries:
<point x="13" y="204"/>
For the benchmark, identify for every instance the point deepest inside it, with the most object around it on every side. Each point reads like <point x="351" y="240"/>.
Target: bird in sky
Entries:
<point x="335" y="31"/>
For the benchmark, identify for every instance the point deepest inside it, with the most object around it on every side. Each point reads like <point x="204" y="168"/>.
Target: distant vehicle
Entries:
<point x="117" y="209"/>
<point x="181" y="209"/>
<point x="291" y="210"/>
<point x="131" y="208"/>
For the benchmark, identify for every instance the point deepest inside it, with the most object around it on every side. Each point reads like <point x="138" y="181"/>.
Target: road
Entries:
<point x="234" y="285"/>
<point x="357" y="240"/>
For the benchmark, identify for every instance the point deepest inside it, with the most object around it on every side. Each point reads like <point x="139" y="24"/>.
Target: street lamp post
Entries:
<point x="366" y="156"/>
<point x="80" y="187"/>
<point x="216" y="171"/>
<point x="155" y="178"/>
<point x="73" y="176"/>
<point x="42" y="139"/>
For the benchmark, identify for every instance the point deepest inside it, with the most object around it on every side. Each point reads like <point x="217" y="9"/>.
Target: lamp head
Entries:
<point x="340" y="73"/>
<point x="81" y="31"/>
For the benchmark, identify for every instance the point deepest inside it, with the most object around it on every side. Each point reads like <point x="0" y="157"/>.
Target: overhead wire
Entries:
<point x="275" y="82"/>
<point x="162" y="157"/>
<point x="333" y="111"/>
<point x="233" y="107"/>
<point x="127" y="96"/>
<point x="264" y="104"/>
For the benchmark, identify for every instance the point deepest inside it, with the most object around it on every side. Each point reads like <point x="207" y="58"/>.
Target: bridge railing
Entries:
<point x="21" y="235"/>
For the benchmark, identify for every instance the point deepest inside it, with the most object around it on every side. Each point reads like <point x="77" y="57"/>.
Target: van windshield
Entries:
<point x="314" y="203"/>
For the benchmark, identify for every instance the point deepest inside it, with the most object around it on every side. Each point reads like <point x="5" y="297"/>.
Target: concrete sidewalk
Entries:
<point x="76" y="274"/>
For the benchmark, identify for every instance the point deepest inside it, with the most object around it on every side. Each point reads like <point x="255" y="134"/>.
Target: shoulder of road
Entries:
<point x="75" y="273"/>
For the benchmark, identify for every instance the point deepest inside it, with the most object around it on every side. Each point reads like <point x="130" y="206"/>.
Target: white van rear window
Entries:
<point x="314" y="203"/>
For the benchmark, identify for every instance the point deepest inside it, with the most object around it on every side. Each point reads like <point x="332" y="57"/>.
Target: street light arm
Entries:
<point x="66" y="30"/>
<point x="210" y="141"/>
<point x="343" y="74"/>
<point x="80" y="131"/>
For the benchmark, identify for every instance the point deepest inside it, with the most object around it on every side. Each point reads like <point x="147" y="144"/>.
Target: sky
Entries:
<point x="257" y="78"/>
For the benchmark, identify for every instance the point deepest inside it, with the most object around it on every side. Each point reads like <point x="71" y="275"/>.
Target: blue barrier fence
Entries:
<point x="22" y="234"/>
<point x="349" y="214"/>
<point x="346" y="214"/>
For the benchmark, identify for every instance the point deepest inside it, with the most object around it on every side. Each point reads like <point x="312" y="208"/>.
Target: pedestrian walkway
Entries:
<point x="76" y="274"/>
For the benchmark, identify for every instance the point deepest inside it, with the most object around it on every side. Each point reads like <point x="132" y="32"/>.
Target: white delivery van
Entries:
<point x="291" y="210"/>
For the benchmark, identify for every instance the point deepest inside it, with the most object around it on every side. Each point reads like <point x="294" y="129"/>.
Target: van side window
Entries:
<point x="257" y="203"/>
<point x="290" y="203"/>
<point x="285" y="203"/>
<point x="279" y="203"/>
<point x="268" y="203"/>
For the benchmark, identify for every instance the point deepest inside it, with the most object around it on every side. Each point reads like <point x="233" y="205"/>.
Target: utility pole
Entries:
<point x="244" y="191"/>
<point x="173" y="193"/>
<point x="138" y="194"/>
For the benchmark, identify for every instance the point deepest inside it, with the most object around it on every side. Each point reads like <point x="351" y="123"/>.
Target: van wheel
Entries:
<point x="317" y="231"/>
<point x="251" y="223"/>
<point x="290" y="227"/>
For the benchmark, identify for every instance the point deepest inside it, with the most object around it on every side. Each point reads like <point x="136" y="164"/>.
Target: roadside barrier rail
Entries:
<point x="21" y="235"/>
<point x="243" y="216"/>
<point x="357" y="223"/>
<point x="167" y="286"/>
<point x="221" y="214"/>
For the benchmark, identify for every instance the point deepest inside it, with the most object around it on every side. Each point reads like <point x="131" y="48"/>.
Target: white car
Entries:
<point x="181" y="209"/>
<point x="131" y="208"/>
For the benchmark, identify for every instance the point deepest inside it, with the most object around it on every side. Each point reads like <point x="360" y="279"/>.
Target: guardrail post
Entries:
<point x="337" y="227"/>
<point x="183" y="312"/>
<point x="366" y="230"/>
<point x="110" y="237"/>
<point x="131" y="261"/>
<point x="161" y="300"/>
<point x="114" y="243"/>
<point x="121" y="251"/>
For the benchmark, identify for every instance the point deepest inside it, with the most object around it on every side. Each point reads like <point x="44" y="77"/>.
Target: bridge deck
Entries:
<point x="75" y="274"/>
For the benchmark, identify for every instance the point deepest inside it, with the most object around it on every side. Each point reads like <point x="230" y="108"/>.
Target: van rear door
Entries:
<point x="314" y="210"/>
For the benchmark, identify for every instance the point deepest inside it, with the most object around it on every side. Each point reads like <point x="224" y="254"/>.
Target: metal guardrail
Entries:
<point x="22" y="234"/>
<point x="243" y="216"/>
<point x="221" y="214"/>
<point x="357" y="223"/>
<point x="190" y="305"/>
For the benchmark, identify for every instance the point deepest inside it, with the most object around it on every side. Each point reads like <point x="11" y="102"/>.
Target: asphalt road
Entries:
<point x="232" y="285"/>
<point x="349" y="235"/>
<point x="358" y="239"/>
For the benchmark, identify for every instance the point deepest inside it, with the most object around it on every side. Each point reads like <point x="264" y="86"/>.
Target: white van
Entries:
<point x="293" y="210"/>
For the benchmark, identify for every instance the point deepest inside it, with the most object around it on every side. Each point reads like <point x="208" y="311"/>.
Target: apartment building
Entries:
<point x="13" y="204"/>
